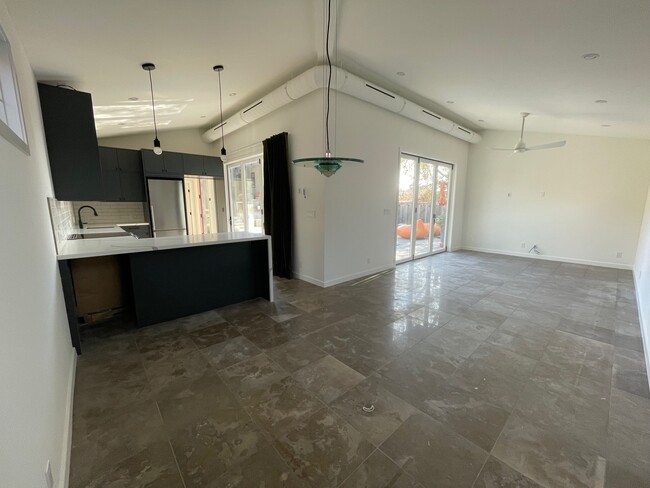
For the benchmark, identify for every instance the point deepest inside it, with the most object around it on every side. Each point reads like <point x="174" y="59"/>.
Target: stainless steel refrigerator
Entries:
<point x="167" y="207"/>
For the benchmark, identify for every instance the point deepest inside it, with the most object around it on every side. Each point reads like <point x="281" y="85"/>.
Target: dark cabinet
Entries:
<point x="122" y="176"/>
<point x="71" y="140"/>
<point x="213" y="166"/>
<point x="202" y="165"/>
<point x="193" y="164"/>
<point x="168" y="164"/>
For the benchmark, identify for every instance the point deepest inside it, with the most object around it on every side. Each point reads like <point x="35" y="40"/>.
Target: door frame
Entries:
<point x="226" y="181"/>
<point x="450" y="206"/>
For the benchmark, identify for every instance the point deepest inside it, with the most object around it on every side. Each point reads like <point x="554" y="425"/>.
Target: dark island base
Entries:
<point x="180" y="282"/>
<point x="174" y="283"/>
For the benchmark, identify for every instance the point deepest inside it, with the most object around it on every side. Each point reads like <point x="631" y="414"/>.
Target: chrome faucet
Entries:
<point x="81" y="224"/>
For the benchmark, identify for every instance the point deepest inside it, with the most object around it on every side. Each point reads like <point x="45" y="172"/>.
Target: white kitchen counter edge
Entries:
<point x="109" y="246"/>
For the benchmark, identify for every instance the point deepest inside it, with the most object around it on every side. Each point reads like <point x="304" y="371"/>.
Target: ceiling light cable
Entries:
<point x="156" y="142"/>
<point x="219" y="68"/>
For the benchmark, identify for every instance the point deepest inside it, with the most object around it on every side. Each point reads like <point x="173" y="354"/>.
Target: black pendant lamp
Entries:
<point x="156" y="143"/>
<point x="327" y="165"/>
<point x="219" y="68"/>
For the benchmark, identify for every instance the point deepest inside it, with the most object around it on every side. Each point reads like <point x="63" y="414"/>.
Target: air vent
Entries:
<point x="380" y="91"/>
<point x="253" y="106"/>
<point x="464" y="130"/>
<point x="220" y="126"/>
<point x="432" y="115"/>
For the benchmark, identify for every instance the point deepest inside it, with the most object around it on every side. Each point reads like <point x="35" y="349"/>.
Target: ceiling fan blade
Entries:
<point x="550" y="145"/>
<point x="502" y="149"/>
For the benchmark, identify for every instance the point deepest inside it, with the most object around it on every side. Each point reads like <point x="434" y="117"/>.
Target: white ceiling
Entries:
<point x="493" y="58"/>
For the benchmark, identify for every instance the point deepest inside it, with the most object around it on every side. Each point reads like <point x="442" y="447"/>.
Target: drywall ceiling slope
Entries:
<point x="493" y="59"/>
<point x="99" y="46"/>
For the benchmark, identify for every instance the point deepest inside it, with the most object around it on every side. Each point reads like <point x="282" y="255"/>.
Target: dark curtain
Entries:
<point x="278" y="218"/>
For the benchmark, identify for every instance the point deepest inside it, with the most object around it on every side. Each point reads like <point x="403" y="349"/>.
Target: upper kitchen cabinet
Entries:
<point x="122" y="176"/>
<point x="168" y="164"/>
<point x="71" y="143"/>
<point x="202" y="165"/>
<point x="213" y="166"/>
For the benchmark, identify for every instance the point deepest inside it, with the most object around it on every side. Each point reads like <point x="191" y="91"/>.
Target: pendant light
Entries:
<point x="327" y="165"/>
<point x="219" y="68"/>
<point x="156" y="143"/>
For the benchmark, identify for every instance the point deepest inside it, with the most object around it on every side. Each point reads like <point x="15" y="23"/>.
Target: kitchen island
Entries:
<point x="176" y="276"/>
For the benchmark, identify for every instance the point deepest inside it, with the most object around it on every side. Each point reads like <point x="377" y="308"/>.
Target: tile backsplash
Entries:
<point x="63" y="220"/>
<point x="110" y="213"/>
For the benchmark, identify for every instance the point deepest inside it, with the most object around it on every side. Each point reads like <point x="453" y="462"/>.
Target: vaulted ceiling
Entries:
<point x="492" y="59"/>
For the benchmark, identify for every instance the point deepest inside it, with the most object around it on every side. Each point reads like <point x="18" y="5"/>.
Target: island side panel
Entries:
<point x="169" y="284"/>
<point x="68" y="295"/>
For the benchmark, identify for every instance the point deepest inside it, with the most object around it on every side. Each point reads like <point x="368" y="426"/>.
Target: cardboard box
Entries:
<point x="97" y="284"/>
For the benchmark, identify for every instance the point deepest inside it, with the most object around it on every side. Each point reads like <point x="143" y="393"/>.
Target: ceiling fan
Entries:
<point x="521" y="145"/>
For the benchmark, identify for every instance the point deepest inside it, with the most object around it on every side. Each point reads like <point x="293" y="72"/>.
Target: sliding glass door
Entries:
<point x="422" y="207"/>
<point x="245" y="187"/>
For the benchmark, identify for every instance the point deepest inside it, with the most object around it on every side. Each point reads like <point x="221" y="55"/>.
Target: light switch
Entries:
<point x="311" y="214"/>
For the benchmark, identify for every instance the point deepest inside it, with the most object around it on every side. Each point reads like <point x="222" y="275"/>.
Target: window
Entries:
<point x="12" y="127"/>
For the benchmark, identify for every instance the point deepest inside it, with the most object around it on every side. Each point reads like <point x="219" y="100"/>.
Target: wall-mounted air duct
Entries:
<point x="347" y="83"/>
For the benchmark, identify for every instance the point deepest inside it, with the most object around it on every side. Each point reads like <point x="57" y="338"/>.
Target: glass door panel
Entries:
<point x="236" y="199"/>
<point x="403" y="247"/>
<point x="425" y="190"/>
<point x="443" y="177"/>
<point x="254" y="196"/>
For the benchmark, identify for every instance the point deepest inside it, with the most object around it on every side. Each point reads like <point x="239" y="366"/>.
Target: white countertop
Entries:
<point x="81" y="248"/>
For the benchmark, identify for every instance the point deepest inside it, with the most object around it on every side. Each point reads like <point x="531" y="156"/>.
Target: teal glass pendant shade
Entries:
<point x="326" y="165"/>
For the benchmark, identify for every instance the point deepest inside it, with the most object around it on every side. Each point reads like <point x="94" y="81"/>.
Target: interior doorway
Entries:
<point x="422" y="207"/>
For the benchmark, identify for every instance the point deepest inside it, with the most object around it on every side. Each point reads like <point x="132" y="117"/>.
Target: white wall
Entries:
<point x="357" y="228"/>
<point x="595" y="190"/>
<point x="185" y="140"/>
<point x="642" y="280"/>
<point x="36" y="357"/>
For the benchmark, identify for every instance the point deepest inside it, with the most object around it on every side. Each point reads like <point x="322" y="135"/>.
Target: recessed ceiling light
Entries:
<point x="400" y="73"/>
<point x="133" y="99"/>
<point x="601" y="101"/>
<point x="232" y="94"/>
<point x="605" y="125"/>
<point x="590" y="56"/>
<point x="450" y="102"/>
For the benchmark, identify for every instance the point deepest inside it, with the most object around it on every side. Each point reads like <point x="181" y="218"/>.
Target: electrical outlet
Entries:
<point x="619" y="254"/>
<point x="523" y="245"/>
<point x="49" y="479"/>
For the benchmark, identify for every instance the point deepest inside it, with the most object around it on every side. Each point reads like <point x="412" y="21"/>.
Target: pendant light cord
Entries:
<point x="221" y="110"/>
<point x="153" y="107"/>
<point x="329" y="76"/>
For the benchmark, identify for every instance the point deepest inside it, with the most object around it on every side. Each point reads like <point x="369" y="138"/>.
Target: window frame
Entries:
<point x="13" y="130"/>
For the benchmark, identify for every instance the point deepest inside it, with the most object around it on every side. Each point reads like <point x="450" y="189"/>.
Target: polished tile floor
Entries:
<point x="483" y="371"/>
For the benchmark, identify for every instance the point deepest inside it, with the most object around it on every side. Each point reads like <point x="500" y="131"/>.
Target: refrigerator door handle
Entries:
<point x="153" y="220"/>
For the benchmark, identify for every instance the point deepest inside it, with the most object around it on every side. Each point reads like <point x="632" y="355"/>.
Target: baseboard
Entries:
<point x="360" y="274"/>
<point x="309" y="279"/>
<point x="64" y="470"/>
<point x="543" y="257"/>
<point x="645" y="334"/>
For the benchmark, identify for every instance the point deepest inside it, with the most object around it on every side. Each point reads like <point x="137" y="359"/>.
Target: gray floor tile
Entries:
<point x="328" y="378"/>
<point x="434" y="455"/>
<point x="323" y="449"/>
